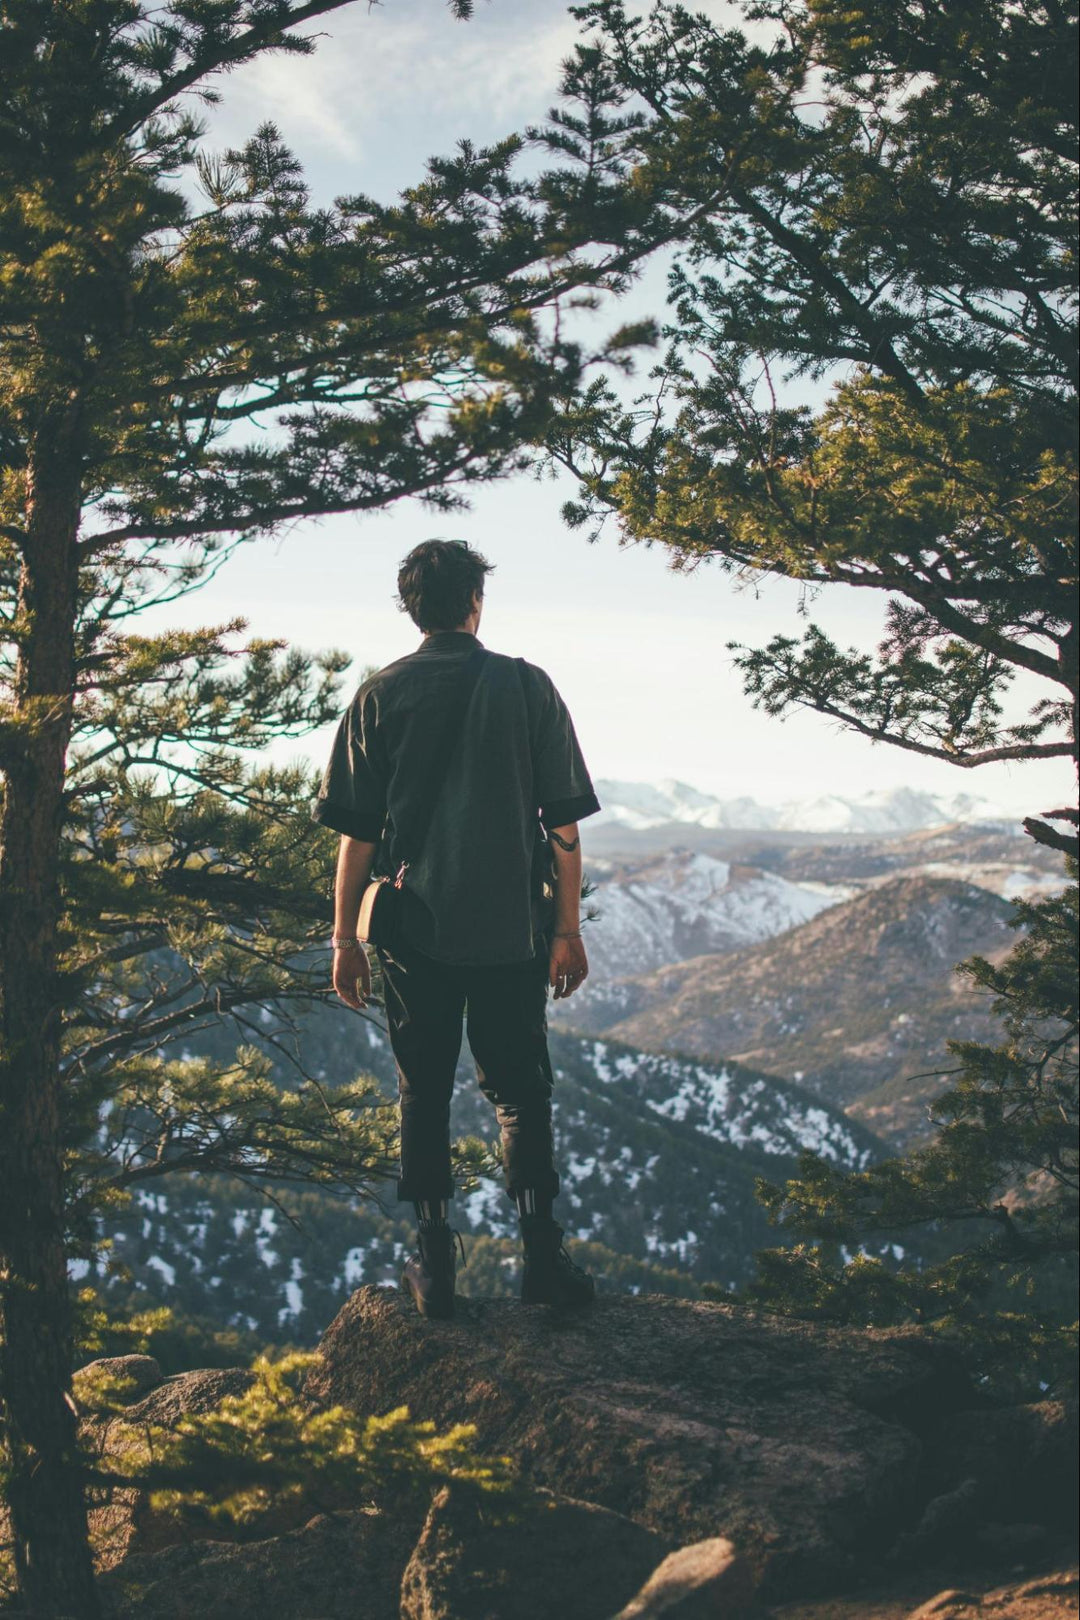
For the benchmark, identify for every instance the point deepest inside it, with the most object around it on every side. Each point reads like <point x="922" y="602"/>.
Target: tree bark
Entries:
<point x="45" y="1488"/>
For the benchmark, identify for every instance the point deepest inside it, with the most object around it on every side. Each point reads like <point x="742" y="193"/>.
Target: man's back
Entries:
<point x="472" y="894"/>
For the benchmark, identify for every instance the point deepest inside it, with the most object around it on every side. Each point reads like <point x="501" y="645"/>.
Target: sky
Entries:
<point x="638" y="652"/>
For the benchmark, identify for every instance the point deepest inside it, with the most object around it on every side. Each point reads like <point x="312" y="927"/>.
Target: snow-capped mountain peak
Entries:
<point x="665" y="908"/>
<point x="639" y="805"/>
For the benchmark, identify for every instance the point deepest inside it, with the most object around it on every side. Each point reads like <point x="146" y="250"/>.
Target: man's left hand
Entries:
<point x="569" y="966"/>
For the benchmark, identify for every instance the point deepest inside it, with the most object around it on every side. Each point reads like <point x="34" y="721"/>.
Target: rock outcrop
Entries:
<point x="700" y="1582"/>
<point x="1049" y="1597"/>
<point x="121" y="1520"/>
<point x="800" y="1444"/>
<point x="1021" y="1458"/>
<point x="686" y="1459"/>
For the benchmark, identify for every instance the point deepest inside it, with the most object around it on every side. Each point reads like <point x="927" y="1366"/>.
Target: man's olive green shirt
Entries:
<point x="472" y="894"/>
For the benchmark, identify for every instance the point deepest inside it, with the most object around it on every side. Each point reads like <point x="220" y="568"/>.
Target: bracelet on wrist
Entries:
<point x="345" y="944"/>
<point x="574" y="934"/>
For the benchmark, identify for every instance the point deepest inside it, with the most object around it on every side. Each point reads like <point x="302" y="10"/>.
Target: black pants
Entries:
<point x="505" y="1011"/>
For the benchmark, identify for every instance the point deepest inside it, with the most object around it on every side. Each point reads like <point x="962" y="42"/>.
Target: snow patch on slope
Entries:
<point x="755" y="1113"/>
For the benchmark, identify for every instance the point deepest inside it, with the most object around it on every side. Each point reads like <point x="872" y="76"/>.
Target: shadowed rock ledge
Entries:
<point x="687" y="1458"/>
<point x="800" y="1444"/>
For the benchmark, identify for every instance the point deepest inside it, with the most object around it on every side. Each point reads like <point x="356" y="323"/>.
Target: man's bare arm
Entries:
<point x="569" y="966"/>
<point x="352" y="971"/>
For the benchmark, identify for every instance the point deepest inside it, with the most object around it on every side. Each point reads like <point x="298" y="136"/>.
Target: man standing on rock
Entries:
<point x="476" y="937"/>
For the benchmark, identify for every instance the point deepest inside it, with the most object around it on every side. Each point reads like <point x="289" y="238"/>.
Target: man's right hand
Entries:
<point x="569" y="966"/>
<point x="352" y="976"/>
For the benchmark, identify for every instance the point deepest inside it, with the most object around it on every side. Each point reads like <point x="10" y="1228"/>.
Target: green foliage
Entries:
<point x="870" y="371"/>
<point x="272" y="1450"/>
<point x="241" y="356"/>
<point x="167" y="1116"/>
<point x="178" y="1342"/>
<point x="195" y="354"/>
<point x="870" y="379"/>
<point x="997" y="1190"/>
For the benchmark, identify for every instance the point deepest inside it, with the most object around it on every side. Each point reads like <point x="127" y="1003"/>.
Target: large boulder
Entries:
<point x="135" y="1375"/>
<point x="341" y="1566"/>
<point x="120" y="1517"/>
<point x="800" y="1444"/>
<point x="1021" y="1461"/>
<point x="1001" y="1486"/>
<point x="557" y="1557"/>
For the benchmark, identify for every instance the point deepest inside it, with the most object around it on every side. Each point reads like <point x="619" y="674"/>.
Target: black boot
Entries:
<point x="429" y="1273"/>
<point x="551" y="1277"/>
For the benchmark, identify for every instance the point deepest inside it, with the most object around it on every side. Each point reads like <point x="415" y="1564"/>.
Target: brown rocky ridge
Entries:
<point x="798" y="1005"/>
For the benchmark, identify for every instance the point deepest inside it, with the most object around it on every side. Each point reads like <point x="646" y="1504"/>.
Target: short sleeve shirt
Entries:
<point x="517" y="766"/>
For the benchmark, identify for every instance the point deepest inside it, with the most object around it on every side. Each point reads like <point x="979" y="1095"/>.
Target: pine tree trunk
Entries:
<point x="45" y="1491"/>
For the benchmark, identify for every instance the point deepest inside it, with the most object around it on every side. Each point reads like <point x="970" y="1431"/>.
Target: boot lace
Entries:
<point x="457" y="1234"/>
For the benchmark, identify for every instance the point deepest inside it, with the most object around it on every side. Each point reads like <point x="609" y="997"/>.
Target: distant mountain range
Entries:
<point x="667" y="904"/>
<point x="640" y="805"/>
<point x="855" y="1004"/>
<point x="684" y="903"/>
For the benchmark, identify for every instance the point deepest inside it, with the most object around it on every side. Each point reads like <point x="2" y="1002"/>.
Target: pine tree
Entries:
<point x="243" y="1463"/>
<point x="882" y="214"/>
<point x="1001" y="1181"/>
<point x="195" y="353"/>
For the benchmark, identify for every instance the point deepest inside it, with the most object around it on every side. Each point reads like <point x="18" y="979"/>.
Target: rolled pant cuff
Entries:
<point x="546" y="1183"/>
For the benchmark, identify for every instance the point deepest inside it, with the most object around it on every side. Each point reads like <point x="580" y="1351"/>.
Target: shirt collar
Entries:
<point x="439" y="640"/>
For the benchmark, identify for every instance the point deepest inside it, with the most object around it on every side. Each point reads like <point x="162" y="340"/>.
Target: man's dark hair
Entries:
<point x="436" y="582"/>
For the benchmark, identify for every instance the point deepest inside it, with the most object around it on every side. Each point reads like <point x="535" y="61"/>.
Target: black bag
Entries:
<point x="379" y="921"/>
<point x="382" y="902"/>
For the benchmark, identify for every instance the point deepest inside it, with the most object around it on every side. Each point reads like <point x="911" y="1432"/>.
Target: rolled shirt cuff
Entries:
<point x="363" y="825"/>
<point x="561" y="812"/>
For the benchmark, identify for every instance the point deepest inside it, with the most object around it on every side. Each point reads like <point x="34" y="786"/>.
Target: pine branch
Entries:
<point x="1049" y="836"/>
<point x="231" y="53"/>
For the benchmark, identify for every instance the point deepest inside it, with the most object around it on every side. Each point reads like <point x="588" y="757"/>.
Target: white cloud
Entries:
<point x="389" y="86"/>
